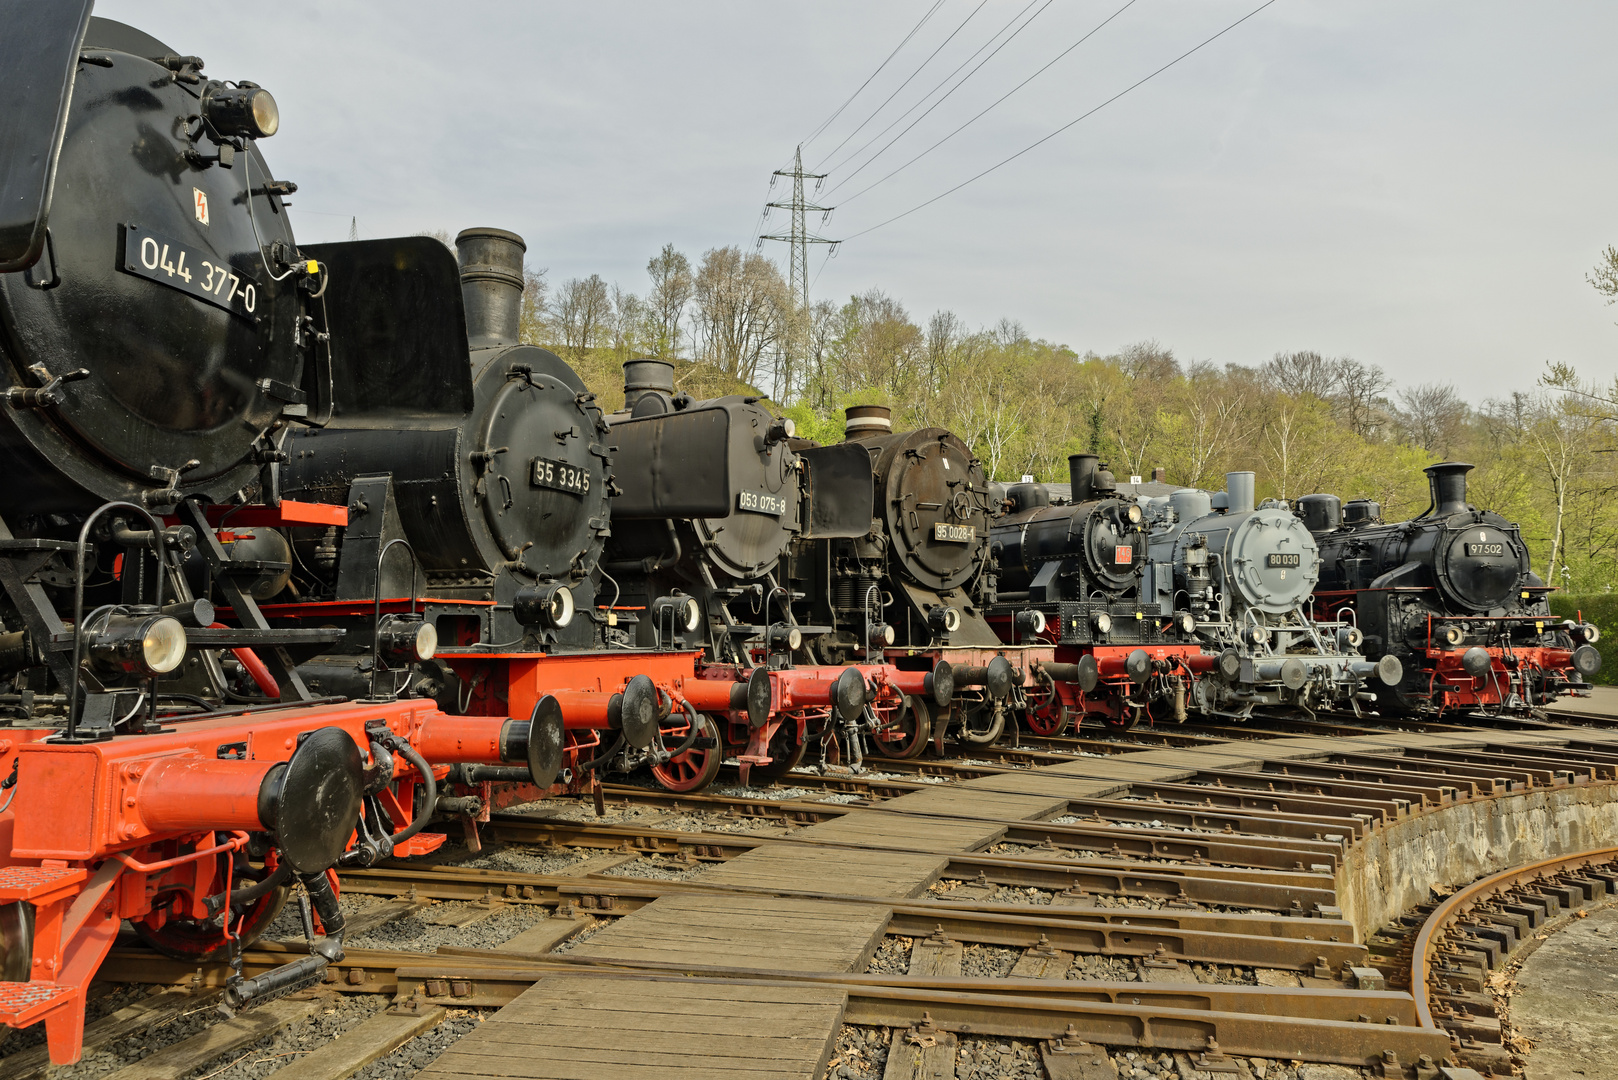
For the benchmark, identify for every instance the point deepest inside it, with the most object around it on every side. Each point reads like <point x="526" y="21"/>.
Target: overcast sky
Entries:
<point x="1421" y="185"/>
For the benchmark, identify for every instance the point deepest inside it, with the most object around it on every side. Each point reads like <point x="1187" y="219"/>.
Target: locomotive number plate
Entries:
<point x="1123" y="555"/>
<point x="169" y="262"/>
<point x="560" y="476"/>
<point x="955" y="534"/>
<point x="761" y="502"/>
<point x="1283" y="560"/>
<point x="1485" y="549"/>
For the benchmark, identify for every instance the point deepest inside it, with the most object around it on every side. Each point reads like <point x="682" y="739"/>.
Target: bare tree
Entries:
<point x="742" y="307"/>
<point x="1604" y="277"/>
<point x="627" y="320"/>
<point x="1300" y="373"/>
<point x="1148" y="360"/>
<point x="531" y="328"/>
<point x="581" y="311"/>
<point x="672" y="285"/>
<point x="944" y="329"/>
<point x="1361" y="395"/>
<point x="1433" y="416"/>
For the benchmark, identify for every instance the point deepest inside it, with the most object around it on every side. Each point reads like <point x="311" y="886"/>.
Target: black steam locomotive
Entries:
<point x="1071" y="574"/>
<point x="164" y="763"/>
<point x="1450" y="594"/>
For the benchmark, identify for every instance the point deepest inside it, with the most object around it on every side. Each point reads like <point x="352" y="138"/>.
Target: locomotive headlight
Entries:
<point x="408" y="637"/>
<point x="143" y="645"/>
<point x="679" y="612"/>
<point x="1101" y="622"/>
<point x="544" y="605"/>
<point x="784" y="638"/>
<point x="881" y="635"/>
<point x="1255" y="635"/>
<point x="1590" y="633"/>
<point x="241" y="110"/>
<point x="1187" y="622"/>
<point x="1031" y="621"/>
<point x="1449" y="634"/>
<point x="943" y="619"/>
<point x="1133" y="514"/>
<point x="781" y="429"/>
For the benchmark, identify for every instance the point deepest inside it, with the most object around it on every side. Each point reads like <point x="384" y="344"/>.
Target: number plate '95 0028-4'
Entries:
<point x="189" y="269"/>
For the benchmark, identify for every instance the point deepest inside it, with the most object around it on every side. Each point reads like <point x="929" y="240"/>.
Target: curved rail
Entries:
<point x="1441" y="922"/>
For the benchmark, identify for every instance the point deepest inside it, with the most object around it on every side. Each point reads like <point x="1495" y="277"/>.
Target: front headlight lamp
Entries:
<point x="143" y="645"/>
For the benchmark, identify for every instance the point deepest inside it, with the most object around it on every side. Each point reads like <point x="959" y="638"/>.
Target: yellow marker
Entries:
<point x="312" y="267"/>
<point x="1139" y="616"/>
<point x="1525" y="596"/>
<point x="612" y="618"/>
<point x="1539" y="628"/>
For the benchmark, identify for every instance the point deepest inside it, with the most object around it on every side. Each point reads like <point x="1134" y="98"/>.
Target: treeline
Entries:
<point x="1303" y="421"/>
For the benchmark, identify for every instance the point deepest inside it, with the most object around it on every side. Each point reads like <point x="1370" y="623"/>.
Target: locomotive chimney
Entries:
<point x="867" y="420"/>
<point x="491" y="285"/>
<point x="1447" y="480"/>
<point x="1239" y="486"/>
<point x="1081" y="474"/>
<point x="645" y="376"/>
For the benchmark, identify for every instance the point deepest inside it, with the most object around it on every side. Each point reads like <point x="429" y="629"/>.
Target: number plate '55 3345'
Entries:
<point x="190" y="270"/>
<point x="560" y="476"/>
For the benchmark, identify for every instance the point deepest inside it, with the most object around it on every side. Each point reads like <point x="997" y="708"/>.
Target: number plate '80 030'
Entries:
<point x="955" y="534"/>
<point x="560" y="476"/>
<point x="169" y="262"/>
<point x="1283" y="560"/>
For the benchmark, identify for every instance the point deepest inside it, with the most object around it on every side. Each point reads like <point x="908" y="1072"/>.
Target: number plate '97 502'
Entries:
<point x="169" y="262"/>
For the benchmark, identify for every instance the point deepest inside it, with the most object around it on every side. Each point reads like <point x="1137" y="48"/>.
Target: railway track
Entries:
<point x="1204" y="900"/>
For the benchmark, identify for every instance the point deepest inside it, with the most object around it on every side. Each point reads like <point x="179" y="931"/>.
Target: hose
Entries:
<point x="606" y="754"/>
<point x="250" y="894"/>
<point x="691" y="736"/>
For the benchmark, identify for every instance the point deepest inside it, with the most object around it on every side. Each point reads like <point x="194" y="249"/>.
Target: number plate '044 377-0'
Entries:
<point x="957" y="534"/>
<point x="761" y="502"/>
<point x="560" y="476"/>
<point x="1283" y="560"/>
<point x="189" y="269"/>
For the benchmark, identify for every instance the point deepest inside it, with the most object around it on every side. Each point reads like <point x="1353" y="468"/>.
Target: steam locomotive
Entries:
<point x="1449" y="594"/>
<point x="1244" y="575"/>
<point x="1075" y="574"/>
<point x="160" y="331"/>
<point x="912" y="585"/>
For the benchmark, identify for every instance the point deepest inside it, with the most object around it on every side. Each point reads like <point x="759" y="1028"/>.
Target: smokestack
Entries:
<point x="491" y="285"/>
<point x="644" y="376"/>
<point x="867" y="420"/>
<point x="1081" y="473"/>
<point x="1239" y="486"/>
<point x="1447" y="480"/>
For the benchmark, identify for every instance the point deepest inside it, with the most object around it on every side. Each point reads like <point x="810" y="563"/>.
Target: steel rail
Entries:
<point x="1441" y="922"/>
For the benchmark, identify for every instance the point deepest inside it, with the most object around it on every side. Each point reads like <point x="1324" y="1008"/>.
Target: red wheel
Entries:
<point x="914" y="724"/>
<point x="1128" y="715"/>
<point x="696" y="768"/>
<point x="190" y="940"/>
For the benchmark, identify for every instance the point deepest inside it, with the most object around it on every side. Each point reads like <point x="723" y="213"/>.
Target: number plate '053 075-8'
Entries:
<point x="761" y="502"/>
<point x="560" y="476"/>
<point x="190" y="270"/>
<point x="955" y="534"/>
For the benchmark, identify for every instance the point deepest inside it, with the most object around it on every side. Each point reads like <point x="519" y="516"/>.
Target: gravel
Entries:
<point x="988" y="962"/>
<point x="659" y="869"/>
<point x="412" y="933"/>
<point x="530" y="860"/>
<point x="997" y="1059"/>
<point x="861" y="1054"/>
<point x="892" y="957"/>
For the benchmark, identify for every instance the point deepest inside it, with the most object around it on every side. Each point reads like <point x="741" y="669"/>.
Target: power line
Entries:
<point x="992" y="105"/>
<point x="1064" y="127"/>
<point x="913" y="30"/>
<point x="902" y="85"/>
<point x="935" y="89"/>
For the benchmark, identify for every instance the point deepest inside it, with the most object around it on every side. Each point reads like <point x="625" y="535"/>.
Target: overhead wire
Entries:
<point x="876" y="111"/>
<point x="913" y="31"/>
<point x="1047" y="138"/>
<point x="941" y="83"/>
<point x="992" y="105"/>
